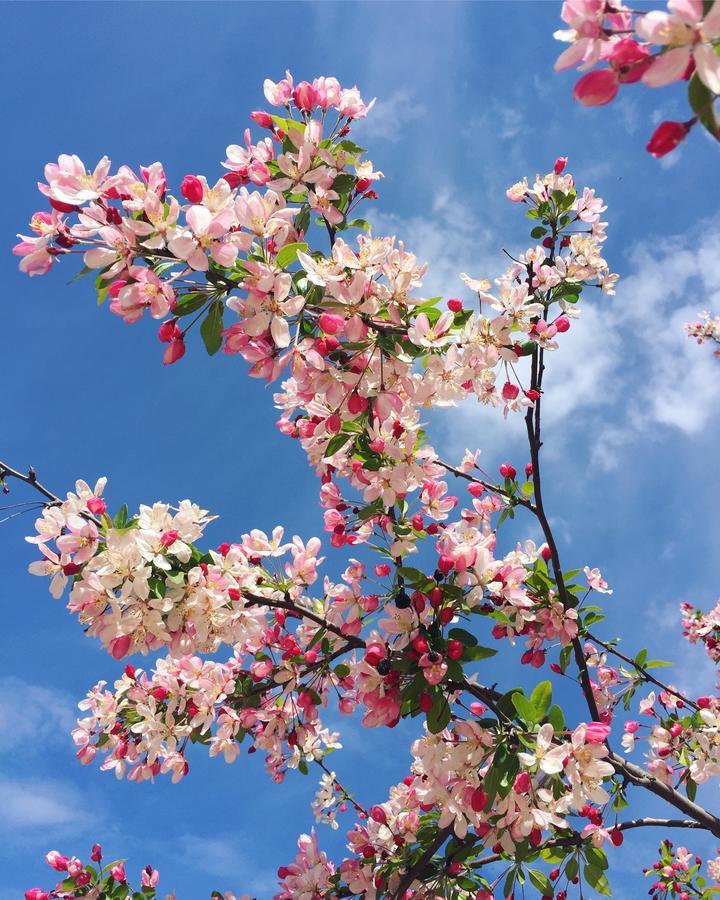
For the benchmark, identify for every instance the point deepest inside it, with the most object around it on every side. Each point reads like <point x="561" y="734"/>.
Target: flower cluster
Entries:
<point x="683" y="739"/>
<point x="79" y="879"/>
<point x="707" y="328"/>
<point x="654" y="47"/>
<point x="676" y="875"/>
<point x="702" y="627"/>
<point x="466" y="779"/>
<point x="361" y="355"/>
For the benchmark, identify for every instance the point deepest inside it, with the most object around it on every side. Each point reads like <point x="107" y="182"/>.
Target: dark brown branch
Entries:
<point x="642" y="670"/>
<point x="254" y="600"/>
<point x="635" y="775"/>
<point x="494" y="488"/>
<point x="576" y="839"/>
<point x="417" y="870"/>
<point x="532" y="424"/>
<point x="7" y="471"/>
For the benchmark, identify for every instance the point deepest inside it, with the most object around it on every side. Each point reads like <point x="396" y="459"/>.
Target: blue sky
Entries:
<point x="467" y="104"/>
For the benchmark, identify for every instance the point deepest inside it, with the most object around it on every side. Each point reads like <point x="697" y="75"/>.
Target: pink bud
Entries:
<point x="331" y="323"/>
<point x="562" y="323"/>
<point x="560" y="164"/>
<point x="168" y="331"/>
<point x="262" y="119"/>
<point x="631" y="727"/>
<point x="454" y="305"/>
<point x="508" y="471"/>
<point x="510" y="391"/>
<point x="116" y="287"/>
<point x="596" y="733"/>
<point x="304" y="96"/>
<point x="96" y="854"/>
<point x="174" y="352"/>
<point x="117" y="873"/>
<point x="168" y="538"/>
<point x="597" y="88"/>
<point x="522" y="783"/>
<point x="377" y="814"/>
<point x="56" y="861"/>
<point x="382" y="570"/>
<point x="333" y="423"/>
<point x="666" y="137"/>
<point x="119" y="646"/>
<point x="96" y="505"/>
<point x="36" y="894"/>
<point x="356" y="403"/>
<point x="192" y="189"/>
<point x="475" y="489"/>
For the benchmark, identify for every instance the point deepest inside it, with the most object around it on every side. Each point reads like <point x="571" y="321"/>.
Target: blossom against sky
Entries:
<point x="467" y="104"/>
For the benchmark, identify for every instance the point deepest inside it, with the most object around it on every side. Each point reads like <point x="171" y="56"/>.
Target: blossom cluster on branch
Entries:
<point x="502" y="790"/>
<point x="652" y="47"/>
<point x="707" y="328"/>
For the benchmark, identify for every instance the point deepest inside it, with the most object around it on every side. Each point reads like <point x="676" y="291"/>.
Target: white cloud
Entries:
<point x="450" y="238"/>
<point x="389" y="117"/>
<point x="33" y="804"/>
<point x="222" y="858"/>
<point x="32" y="716"/>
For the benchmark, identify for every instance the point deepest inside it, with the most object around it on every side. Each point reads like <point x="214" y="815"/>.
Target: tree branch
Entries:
<point x="7" y="471"/>
<point x="635" y="775"/>
<point x="643" y="671"/>
<point x="417" y="870"/>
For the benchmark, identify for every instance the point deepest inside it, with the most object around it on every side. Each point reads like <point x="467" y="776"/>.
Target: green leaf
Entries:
<point x="541" y="698"/>
<point x="702" y="101"/>
<point x="81" y="274"/>
<point x="289" y="253"/>
<point x="439" y="716"/>
<point x="477" y="653"/>
<point x="524" y="708"/>
<point x="190" y="303"/>
<point x="350" y="147"/>
<point x="538" y="232"/>
<point x="596" y="857"/>
<point x="344" y="183"/>
<point x="541" y="882"/>
<point x="317" y="636"/>
<point x="212" y="326"/>
<point x="121" y="517"/>
<point x="527" y="488"/>
<point x="565" y="655"/>
<point x="509" y="882"/>
<point x="459" y="634"/>
<point x="556" y="718"/>
<point x="336" y="442"/>
<point x="342" y="671"/>
<point x="360" y="223"/>
<point x="595" y="877"/>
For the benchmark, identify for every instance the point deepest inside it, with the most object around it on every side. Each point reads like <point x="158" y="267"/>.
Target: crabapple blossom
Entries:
<point x="655" y="47"/>
<point x="252" y="645"/>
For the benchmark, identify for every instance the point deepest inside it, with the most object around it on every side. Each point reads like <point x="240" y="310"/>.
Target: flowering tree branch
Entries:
<point x="498" y="774"/>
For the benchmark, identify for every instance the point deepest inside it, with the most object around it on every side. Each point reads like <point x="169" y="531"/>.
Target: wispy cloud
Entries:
<point x="32" y="716"/>
<point x="390" y="116"/>
<point x="222" y="857"/>
<point x="49" y="804"/>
